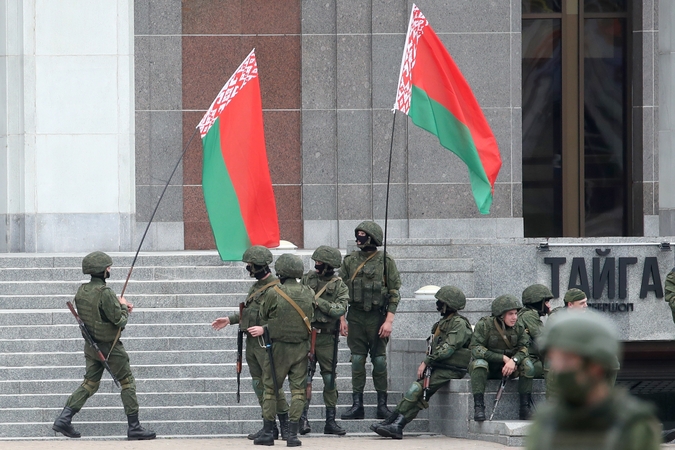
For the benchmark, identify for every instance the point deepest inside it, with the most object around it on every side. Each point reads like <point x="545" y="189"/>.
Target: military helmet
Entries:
<point x="328" y="255"/>
<point x="587" y="334"/>
<point x="451" y="296"/>
<point x="258" y="255"/>
<point x="504" y="303"/>
<point x="574" y="295"/>
<point x="290" y="266"/>
<point x="536" y="293"/>
<point x="373" y="230"/>
<point x="96" y="262"/>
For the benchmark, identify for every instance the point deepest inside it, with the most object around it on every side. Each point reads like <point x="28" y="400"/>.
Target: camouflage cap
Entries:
<point x="574" y="295"/>
<point x="587" y="334"/>
<point x="328" y="255"/>
<point x="505" y="303"/>
<point x="536" y="293"/>
<point x="452" y="296"/>
<point x="96" y="262"/>
<point x="258" y="255"/>
<point x="373" y="230"/>
<point x="290" y="266"/>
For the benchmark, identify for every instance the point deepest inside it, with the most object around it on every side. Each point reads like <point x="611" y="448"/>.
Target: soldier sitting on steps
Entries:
<point x="447" y="357"/>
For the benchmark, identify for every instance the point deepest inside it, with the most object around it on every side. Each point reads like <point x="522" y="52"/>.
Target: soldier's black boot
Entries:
<point x="478" y="407"/>
<point x="275" y="433"/>
<point x="331" y="426"/>
<point x="135" y="432"/>
<point x="266" y="438"/>
<point x="62" y="423"/>
<point x="382" y="410"/>
<point x="356" y="411"/>
<point x="304" y="423"/>
<point x="394" y="430"/>
<point x="293" y="440"/>
<point x="525" y="402"/>
<point x="386" y="421"/>
<point x="283" y="425"/>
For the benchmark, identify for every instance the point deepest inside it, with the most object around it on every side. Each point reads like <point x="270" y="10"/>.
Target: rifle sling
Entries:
<point x="502" y="334"/>
<point x="358" y="269"/>
<point x="323" y="289"/>
<point x="297" y="308"/>
<point x="272" y="283"/>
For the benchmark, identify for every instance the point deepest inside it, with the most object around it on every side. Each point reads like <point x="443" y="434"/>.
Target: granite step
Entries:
<point x="506" y="432"/>
<point x="139" y="273"/>
<point x="151" y="300"/>
<point x="135" y="287"/>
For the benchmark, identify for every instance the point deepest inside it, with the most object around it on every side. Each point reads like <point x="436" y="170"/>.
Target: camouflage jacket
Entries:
<point x="450" y="339"/>
<point x="283" y="321"/>
<point x="98" y="307"/>
<point x="331" y="304"/>
<point x="367" y="287"/>
<point x="251" y="315"/>
<point x="530" y="320"/>
<point x="487" y="343"/>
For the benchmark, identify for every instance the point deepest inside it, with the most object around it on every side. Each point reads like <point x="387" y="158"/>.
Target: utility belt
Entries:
<point x="324" y="330"/>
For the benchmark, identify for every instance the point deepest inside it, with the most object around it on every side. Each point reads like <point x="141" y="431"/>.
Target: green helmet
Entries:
<point x="290" y="266"/>
<point x="504" y="303"/>
<point x="536" y="293"/>
<point x="574" y="295"/>
<point x="373" y="230"/>
<point x="328" y="255"/>
<point x="451" y="296"/>
<point x="587" y="334"/>
<point x="96" y="262"/>
<point x="258" y="255"/>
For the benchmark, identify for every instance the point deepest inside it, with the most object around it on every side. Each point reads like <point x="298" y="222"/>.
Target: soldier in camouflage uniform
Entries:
<point x="589" y="413"/>
<point x="535" y="305"/>
<point x="448" y="360"/>
<point x="257" y="259"/>
<point x="105" y="317"/>
<point x="330" y="303"/>
<point x="288" y="310"/>
<point x="499" y="349"/>
<point x="373" y="299"/>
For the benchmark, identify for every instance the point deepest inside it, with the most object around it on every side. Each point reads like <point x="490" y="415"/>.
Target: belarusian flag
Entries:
<point x="236" y="178"/>
<point x="433" y="92"/>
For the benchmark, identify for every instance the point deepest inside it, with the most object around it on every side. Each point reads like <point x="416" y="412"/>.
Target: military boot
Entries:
<point x="331" y="426"/>
<point x="304" y="423"/>
<point x="386" y="421"/>
<point x="293" y="440"/>
<point x="275" y="433"/>
<point x="395" y="429"/>
<point x="382" y="410"/>
<point x="356" y="411"/>
<point x="62" y="423"/>
<point x="135" y="432"/>
<point x="283" y="425"/>
<point x="478" y="408"/>
<point x="525" y="402"/>
<point x="266" y="438"/>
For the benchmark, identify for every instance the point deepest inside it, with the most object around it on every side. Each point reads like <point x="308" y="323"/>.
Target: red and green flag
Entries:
<point x="433" y="92"/>
<point x="236" y="178"/>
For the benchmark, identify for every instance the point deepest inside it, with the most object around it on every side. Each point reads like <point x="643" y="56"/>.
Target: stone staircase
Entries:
<point x="184" y="370"/>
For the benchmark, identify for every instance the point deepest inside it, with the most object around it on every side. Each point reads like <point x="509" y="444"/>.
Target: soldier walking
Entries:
<point x="105" y="316"/>
<point x="499" y="349"/>
<point x="589" y="413"/>
<point x="373" y="299"/>
<point x="288" y="311"/>
<point x="257" y="259"/>
<point x="447" y="359"/>
<point x="330" y="304"/>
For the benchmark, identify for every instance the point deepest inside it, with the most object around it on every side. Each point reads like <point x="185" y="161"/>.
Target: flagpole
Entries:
<point x="386" y="202"/>
<point x="126" y="282"/>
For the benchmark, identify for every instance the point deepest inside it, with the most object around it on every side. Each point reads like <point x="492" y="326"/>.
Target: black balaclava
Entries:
<point x="258" y="272"/>
<point x="365" y="243"/>
<point x="323" y="269"/>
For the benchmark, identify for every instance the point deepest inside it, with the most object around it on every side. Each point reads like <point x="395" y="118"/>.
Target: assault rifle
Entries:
<point x="240" y="350"/>
<point x="311" y="365"/>
<point x="427" y="370"/>
<point x="499" y="395"/>
<point x="336" y="341"/>
<point x="90" y="341"/>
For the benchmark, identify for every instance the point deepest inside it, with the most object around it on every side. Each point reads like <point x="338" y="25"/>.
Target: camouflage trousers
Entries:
<point x="119" y="364"/>
<point x="324" y="358"/>
<point x="413" y="401"/>
<point x="255" y="358"/>
<point x="290" y="360"/>
<point x="363" y="338"/>
<point x="480" y="371"/>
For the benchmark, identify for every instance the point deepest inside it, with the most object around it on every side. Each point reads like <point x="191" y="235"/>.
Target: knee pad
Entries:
<point x="257" y="387"/>
<point x="269" y="396"/>
<point x="328" y="382"/>
<point x="413" y="392"/>
<point x="527" y="368"/>
<point x="478" y="364"/>
<point x="379" y="364"/>
<point x="298" y="394"/>
<point x="128" y="382"/>
<point x="91" y="386"/>
<point x="358" y="362"/>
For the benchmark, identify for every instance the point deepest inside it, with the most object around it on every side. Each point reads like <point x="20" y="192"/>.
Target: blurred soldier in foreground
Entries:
<point x="499" y="349"/>
<point x="288" y="310"/>
<point x="330" y="303"/>
<point x="447" y="358"/>
<point x="257" y="259"/>
<point x="589" y="413"/>
<point x="105" y="316"/>
<point x="373" y="299"/>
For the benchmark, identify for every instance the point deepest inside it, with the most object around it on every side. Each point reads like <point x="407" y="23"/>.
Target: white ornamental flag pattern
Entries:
<point x="247" y="71"/>
<point x="415" y="29"/>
